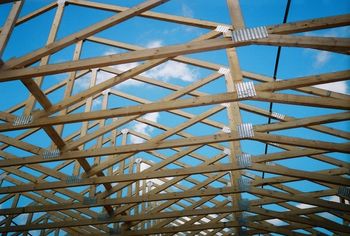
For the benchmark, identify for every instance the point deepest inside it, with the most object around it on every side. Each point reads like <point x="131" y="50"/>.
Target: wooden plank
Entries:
<point x="310" y="25"/>
<point x="178" y="104"/>
<point x="102" y="25"/>
<point x="9" y="25"/>
<point x="33" y="85"/>
<point x="324" y="43"/>
<point x="303" y="122"/>
<point x="114" y="59"/>
<point x="123" y="200"/>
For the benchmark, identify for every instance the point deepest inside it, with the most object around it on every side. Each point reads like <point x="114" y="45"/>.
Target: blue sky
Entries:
<point x="294" y="62"/>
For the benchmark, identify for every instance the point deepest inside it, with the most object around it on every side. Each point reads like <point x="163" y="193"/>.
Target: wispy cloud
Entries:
<point x="144" y="128"/>
<point x="154" y="44"/>
<point x="321" y="58"/>
<point x="339" y="87"/>
<point x="186" y="11"/>
<point x="103" y="75"/>
<point x="170" y="70"/>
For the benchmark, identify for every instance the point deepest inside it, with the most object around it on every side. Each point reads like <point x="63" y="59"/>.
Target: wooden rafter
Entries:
<point x="191" y="183"/>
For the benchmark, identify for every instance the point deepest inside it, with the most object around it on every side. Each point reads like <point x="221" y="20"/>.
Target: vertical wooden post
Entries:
<point x="9" y="25"/>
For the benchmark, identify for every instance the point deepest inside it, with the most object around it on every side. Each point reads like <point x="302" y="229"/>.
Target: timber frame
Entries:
<point x="116" y="194"/>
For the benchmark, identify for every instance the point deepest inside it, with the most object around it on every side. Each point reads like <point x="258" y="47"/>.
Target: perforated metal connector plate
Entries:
<point x="270" y="163"/>
<point x="124" y="131"/>
<point x="245" y="130"/>
<point x="73" y="179"/>
<point x="22" y="120"/>
<point x="278" y="115"/>
<point x="344" y="191"/>
<point x="224" y="70"/>
<point x="49" y="154"/>
<point x="247" y="34"/>
<point x="222" y="28"/>
<point x="244" y="160"/>
<point x="106" y="92"/>
<point x="245" y="89"/>
<point x="244" y="184"/>
<point x="226" y="129"/>
<point x="227" y="105"/>
<point x="227" y="151"/>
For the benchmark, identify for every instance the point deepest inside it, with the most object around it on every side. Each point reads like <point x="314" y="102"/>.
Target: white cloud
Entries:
<point x="83" y="82"/>
<point x="170" y="69"/>
<point x="167" y="71"/>
<point x="339" y="87"/>
<point x="154" y="44"/>
<point x="103" y="75"/>
<point x="173" y="70"/>
<point x="144" y="128"/>
<point x="186" y="11"/>
<point x="321" y="58"/>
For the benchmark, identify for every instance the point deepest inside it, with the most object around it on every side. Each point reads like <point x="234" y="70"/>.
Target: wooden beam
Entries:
<point x="325" y="43"/>
<point x="114" y="59"/>
<point x="56" y="46"/>
<point x="181" y="103"/>
<point x="157" y="53"/>
<point x="310" y="25"/>
<point x="315" y="120"/>
<point x="125" y="200"/>
<point x="9" y="25"/>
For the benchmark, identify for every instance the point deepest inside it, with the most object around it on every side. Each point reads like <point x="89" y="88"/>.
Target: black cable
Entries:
<point x="285" y="18"/>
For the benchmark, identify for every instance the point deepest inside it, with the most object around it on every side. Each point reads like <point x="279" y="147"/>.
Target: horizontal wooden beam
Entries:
<point x="323" y="43"/>
<point x="216" y="138"/>
<point x="315" y="120"/>
<point x="181" y="103"/>
<point x="304" y="81"/>
<point x="159" y="215"/>
<point x="176" y="172"/>
<point x="310" y="24"/>
<point x="153" y="53"/>
<point x="114" y="59"/>
<point x="124" y="200"/>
